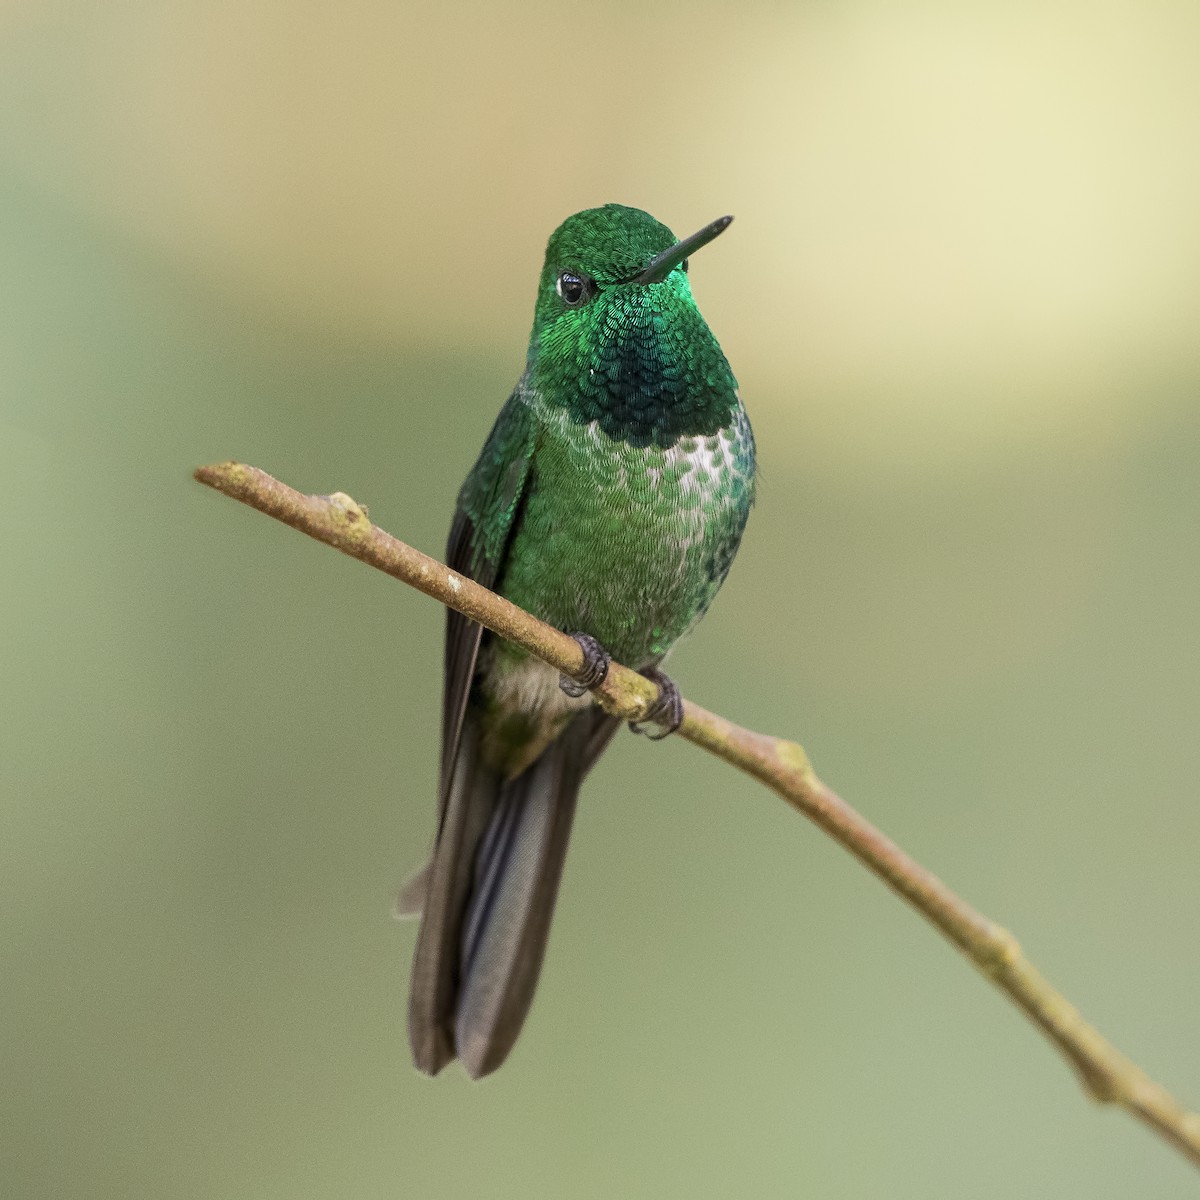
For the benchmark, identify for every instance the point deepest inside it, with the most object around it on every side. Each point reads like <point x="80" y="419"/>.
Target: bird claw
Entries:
<point x="595" y="667"/>
<point x="667" y="710"/>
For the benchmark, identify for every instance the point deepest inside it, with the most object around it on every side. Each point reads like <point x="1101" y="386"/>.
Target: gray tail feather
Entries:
<point x="492" y="885"/>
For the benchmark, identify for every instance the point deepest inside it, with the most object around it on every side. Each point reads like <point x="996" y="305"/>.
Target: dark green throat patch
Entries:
<point x="638" y="359"/>
<point x="646" y="376"/>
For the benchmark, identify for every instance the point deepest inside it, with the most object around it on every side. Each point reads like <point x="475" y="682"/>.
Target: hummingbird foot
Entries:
<point x="595" y="667"/>
<point x="666" y="712"/>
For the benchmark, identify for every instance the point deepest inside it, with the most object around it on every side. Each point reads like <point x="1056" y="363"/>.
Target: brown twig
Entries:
<point x="1106" y="1074"/>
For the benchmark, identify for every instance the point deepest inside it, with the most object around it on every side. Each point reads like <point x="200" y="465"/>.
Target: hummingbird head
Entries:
<point x="617" y="337"/>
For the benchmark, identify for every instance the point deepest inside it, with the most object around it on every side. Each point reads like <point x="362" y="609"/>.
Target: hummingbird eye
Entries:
<point x="573" y="289"/>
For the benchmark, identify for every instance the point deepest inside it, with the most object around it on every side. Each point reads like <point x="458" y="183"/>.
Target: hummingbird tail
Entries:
<point x="491" y="891"/>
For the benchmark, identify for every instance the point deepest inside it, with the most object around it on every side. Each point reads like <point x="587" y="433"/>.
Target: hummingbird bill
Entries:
<point x="609" y="500"/>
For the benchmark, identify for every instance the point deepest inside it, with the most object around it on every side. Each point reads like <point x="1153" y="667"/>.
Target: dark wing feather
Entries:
<point x="484" y="523"/>
<point x="601" y="728"/>
<point x="462" y="643"/>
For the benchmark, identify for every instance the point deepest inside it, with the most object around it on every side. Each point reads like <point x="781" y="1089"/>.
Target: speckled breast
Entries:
<point x="630" y="543"/>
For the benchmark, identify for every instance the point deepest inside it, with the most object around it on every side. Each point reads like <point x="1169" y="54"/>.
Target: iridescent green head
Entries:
<point x="617" y="337"/>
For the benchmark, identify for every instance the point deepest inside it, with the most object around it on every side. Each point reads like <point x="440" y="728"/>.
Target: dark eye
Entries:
<point x="573" y="289"/>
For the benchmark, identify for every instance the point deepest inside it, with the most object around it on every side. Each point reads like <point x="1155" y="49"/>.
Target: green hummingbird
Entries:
<point x="608" y="500"/>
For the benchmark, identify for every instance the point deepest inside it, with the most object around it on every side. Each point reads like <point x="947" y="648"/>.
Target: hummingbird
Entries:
<point x="609" y="500"/>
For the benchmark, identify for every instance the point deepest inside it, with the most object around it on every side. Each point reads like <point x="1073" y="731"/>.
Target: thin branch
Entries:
<point x="1106" y="1074"/>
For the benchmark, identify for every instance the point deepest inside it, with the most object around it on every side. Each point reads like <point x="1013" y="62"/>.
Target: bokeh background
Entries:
<point x="962" y="296"/>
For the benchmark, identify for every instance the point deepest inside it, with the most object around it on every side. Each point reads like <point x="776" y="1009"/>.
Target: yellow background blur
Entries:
<point x="962" y="296"/>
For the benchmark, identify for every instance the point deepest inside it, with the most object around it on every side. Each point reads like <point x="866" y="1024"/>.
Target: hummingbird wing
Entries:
<point x="484" y="521"/>
<point x="480" y="535"/>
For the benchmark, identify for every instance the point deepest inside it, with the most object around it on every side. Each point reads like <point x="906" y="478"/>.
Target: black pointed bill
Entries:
<point x="659" y="267"/>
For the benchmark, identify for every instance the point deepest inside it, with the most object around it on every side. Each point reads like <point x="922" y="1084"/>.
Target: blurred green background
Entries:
<point x="962" y="297"/>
